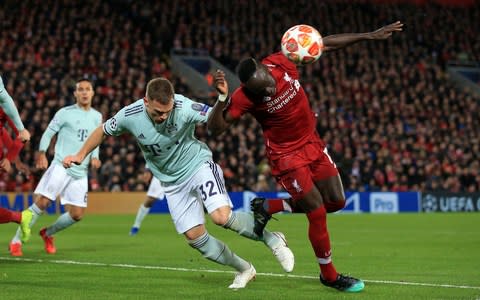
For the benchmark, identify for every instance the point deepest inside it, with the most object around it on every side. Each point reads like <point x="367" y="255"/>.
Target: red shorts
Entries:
<point x="298" y="170"/>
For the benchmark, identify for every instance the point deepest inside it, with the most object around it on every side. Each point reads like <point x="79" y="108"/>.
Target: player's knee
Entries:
<point x="220" y="220"/>
<point x="333" y="206"/>
<point x="77" y="217"/>
<point x="149" y="202"/>
<point x="221" y="215"/>
<point x="43" y="202"/>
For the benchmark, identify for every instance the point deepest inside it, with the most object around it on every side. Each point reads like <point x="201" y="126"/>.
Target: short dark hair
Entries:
<point x="246" y="68"/>
<point x="83" y="80"/>
<point x="160" y="89"/>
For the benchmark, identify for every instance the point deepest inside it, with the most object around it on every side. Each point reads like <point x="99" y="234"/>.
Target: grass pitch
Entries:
<point x="401" y="256"/>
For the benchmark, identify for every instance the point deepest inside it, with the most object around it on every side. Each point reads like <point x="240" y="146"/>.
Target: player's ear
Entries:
<point x="145" y="101"/>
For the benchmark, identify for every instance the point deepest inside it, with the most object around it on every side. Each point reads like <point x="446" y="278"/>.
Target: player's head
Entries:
<point x="159" y="99"/>
<point x="83" y="92"/>
<point x="256" y="78"/>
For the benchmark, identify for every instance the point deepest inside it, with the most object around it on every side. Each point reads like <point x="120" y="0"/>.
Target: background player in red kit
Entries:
<point x="272" y="94"/>
<point x="13" y="147"/>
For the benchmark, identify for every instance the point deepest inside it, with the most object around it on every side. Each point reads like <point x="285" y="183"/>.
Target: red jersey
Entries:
<point x="13" y="146"/>
<point x="287" y="119"/>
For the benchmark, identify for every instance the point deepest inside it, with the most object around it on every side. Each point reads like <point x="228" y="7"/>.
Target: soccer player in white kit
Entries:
<point x="163" y="124"/>
<point x="155" y="192"/>
<point x="72" y="125"/>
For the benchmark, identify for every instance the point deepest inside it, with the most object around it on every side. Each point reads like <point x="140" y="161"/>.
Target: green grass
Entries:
<point x="439" y="250"/>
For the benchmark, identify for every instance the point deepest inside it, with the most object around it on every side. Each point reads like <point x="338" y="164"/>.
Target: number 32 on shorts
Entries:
<point x="208" y="189"/>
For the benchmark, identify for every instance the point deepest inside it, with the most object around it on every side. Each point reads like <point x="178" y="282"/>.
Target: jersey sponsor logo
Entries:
<point x="157" y="149"/>
<point x="141" y="136"/>
<point x="82" y="134"/>
<point x="282" y="100"/>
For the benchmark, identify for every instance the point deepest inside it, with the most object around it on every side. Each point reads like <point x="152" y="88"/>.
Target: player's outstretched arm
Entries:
<point x="93" y="141"/>
<point x="218" y="121"/>
<point x="338" y="41"/>
<point x="6" y="102"/>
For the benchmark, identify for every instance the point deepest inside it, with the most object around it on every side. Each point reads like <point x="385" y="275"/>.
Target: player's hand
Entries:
<point x="386" y="31"/>
<point x="21" y="167"/>
<point x="24" y="135"/>
<point x="147" y="177"/>
<point x="96" y="163"/>
<point x="41" y="162"/>
<point x="220" y="82"/>
<point x="69" y="160"/>
<point x="5" y="165"/>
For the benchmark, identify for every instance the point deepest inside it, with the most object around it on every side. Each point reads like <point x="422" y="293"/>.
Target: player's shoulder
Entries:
<point x="134" y="109"/>
<point x="67" y="110"/>
<point x="95" y="112"/>
<point x="278" y="60"/>
<point x="241" y="94"/>
<point x="181" y="101"/>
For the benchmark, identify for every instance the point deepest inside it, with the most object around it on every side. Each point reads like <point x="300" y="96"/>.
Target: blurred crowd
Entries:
<point x="389" y="113"/>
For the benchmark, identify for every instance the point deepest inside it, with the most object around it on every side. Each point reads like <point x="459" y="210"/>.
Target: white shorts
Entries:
<point x="155" y="189"/>
<point x="186" y="200"/>
<point x="55" y="181"/>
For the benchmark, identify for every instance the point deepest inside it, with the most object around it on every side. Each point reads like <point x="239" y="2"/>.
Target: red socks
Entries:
<point x="7" y="216"/>
<point x="318" y="235"/>
<point x="273" y="205"/>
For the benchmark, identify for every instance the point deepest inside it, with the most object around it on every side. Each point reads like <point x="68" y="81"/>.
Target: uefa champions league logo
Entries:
<point x="429" y="203"/>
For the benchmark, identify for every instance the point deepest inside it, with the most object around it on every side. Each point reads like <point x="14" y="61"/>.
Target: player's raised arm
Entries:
<point x="338" y="41"/>
<point x="218" y="121"/>
<point x="93" y="141"/>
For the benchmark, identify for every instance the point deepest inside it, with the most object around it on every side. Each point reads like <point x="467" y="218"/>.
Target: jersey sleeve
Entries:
<point x="96" y="151"/>
<point x="195" y="112"/>
<point x="116" y="125"/>
<point x="9" y="107"/>
<point x="53" y="127"/>
<point x="238" y="104"/>
<point x="280" y="60"/>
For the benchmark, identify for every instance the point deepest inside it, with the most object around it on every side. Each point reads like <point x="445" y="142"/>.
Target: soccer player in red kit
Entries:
<point x="13" y="146"/>
<point x="23" y="218"/>
<point x="272" y="94"/>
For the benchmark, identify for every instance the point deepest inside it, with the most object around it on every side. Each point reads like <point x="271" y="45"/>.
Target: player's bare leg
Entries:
<point x="332" y="193"/>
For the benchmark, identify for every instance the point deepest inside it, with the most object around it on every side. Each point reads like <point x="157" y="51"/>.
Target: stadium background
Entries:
<point x="391" y="113"/>
<point x="403" y="132"/>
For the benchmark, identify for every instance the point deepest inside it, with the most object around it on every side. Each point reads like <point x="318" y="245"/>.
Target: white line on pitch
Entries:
<point x="71" y="262"/>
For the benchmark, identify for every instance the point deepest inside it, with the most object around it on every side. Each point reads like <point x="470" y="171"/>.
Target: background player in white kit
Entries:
<point x="163" y="124"/>
<point x="155" y="192"/>
<point x="72" y="124"/>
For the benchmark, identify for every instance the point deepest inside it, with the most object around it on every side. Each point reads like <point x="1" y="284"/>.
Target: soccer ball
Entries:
<point x="302" y="44"/>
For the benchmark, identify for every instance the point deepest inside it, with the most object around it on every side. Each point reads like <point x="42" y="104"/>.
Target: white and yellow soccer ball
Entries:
<point x="302" y="44"/>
